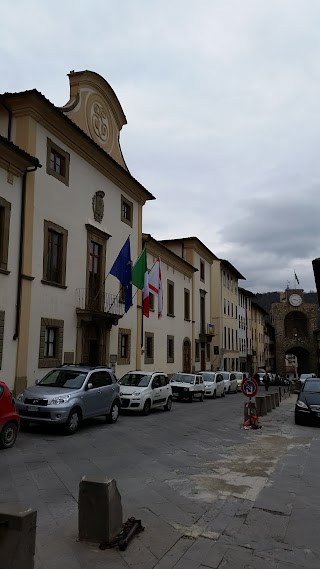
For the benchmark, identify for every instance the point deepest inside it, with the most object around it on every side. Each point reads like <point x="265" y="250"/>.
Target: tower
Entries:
<point x="295" y="324"/>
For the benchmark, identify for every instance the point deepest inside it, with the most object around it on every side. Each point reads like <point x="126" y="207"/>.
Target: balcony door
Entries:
<point x="95" y="281"/>
<point x="96" y="262"/>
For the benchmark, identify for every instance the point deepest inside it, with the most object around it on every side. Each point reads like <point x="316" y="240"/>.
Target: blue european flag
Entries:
<point x="121" y="269"/>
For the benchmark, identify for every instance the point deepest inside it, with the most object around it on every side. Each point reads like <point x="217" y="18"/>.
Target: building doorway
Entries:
<point x="186" y="356"/>
<point x="93" y="344"/>
<point x="203" y="356"/>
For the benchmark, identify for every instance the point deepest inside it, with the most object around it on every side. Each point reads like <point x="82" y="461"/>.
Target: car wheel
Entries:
<point x="73" y="422"/>
<point x="214" y="395"/>
<point x="146" y="408"/>
<point x="168" y="405"/>
<point x="112" y="417"/>
<point x="8" y="435"/>
<point x="229" y="389"/>
<point x="190" y="397"/>
<point x="201" y="396"/>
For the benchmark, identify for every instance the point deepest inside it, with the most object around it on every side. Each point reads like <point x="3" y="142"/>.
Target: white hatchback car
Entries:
<point x="214" y="384"/>
<point x="230" y="382"/>
<point x="187" y="386"/>
<point x="145" y="390"/>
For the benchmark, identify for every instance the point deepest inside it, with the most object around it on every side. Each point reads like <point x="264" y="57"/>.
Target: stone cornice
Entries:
<point x="156" y="249"/>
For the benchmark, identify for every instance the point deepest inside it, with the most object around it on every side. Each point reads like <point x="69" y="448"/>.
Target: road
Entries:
<point x="195" y="478"/>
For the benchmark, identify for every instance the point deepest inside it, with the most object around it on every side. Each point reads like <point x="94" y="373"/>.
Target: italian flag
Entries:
<point x="140" y="280"/>
<point x="155" y="284"/>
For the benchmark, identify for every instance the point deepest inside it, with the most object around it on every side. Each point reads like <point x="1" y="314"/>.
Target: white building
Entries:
<point x="167" y="342"/>
<point x="200" y="257"/>
<point x="79" y="210"/>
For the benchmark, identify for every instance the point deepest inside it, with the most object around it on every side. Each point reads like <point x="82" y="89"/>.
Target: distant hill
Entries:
<point x="266" y="299"/>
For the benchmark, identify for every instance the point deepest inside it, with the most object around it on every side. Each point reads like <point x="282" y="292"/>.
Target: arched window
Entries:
<point x="296" y="325"/>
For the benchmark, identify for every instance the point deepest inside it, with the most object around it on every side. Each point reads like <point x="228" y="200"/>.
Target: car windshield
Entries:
<point x="186" y="378"/>
<point x="208" y="376"/>
<point x="135" y="380"/>
<point x="312" y="386"/>
<point x="68" y="379"/>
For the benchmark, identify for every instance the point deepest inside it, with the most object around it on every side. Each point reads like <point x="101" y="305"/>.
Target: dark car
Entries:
<point x="308" y="404"/>
<point x="9" y="418"/>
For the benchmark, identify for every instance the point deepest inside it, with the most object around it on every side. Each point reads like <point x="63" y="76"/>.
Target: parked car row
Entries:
<point x="71" y="393"/>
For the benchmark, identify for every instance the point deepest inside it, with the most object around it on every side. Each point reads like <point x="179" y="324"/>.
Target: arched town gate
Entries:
<point x="296" y="328"/>
<point x="303" y="357"/>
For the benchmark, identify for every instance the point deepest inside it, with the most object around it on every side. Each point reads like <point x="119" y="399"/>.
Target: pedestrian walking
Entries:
<point x="266" y="380"/>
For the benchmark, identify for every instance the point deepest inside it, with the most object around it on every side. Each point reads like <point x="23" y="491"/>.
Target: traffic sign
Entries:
<point x="249" y="387"/>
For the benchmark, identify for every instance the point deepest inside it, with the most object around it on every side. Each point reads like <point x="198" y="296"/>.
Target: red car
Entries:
<point x="9" y="418"/>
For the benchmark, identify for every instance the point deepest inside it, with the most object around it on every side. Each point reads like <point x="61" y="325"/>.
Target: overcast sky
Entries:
<point x="222" y="99"/>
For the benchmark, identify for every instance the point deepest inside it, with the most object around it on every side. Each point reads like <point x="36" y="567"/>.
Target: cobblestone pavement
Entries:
<point x="209" y="493"/>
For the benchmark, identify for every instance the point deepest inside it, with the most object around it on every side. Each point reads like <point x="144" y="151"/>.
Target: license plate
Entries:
<point x="33" y="409"/>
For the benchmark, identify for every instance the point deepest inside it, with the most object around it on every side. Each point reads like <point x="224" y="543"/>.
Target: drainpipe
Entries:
<point x="21" y="243"/>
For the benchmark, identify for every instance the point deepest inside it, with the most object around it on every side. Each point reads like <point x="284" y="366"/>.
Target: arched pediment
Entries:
<point x="95" y="108"/>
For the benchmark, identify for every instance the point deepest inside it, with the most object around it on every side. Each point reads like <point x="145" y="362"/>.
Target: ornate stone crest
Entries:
<point x="98" y="205"/>
<point x="99" y="121"/>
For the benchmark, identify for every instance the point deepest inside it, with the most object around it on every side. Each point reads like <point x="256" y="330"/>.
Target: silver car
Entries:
<point x="68" y="394"/>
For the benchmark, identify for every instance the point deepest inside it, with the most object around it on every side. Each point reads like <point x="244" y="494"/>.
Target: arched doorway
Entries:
<point x="297" y="361"/>
<point x="186" y="356"/>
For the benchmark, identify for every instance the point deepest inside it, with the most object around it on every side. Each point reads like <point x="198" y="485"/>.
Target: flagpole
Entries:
<point x="294" y="278"/>
<point x="142" y="328"/>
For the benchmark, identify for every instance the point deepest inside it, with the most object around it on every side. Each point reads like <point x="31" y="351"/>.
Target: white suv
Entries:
<point x="144" y="390"/>
<point x="187" y="386"/>
<point x="214" y="383"/>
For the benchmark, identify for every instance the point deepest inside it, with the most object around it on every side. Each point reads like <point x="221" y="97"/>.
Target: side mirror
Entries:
<point x="155" y="385"/>
<point x="37" y="381"/>
<point x="89" y="386"/>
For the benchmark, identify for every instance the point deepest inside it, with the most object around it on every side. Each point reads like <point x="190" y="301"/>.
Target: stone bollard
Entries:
<point x="273" y="401"/>
<point x="269" y="403"/>
<point x="100" y="509"/>
<point x="276" y="398"/>
<point x="261" y="405"/>
<point x="17" y="536"/>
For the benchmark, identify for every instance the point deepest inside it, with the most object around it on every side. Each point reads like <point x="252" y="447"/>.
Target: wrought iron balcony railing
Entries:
<point x="100" y="302"/>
